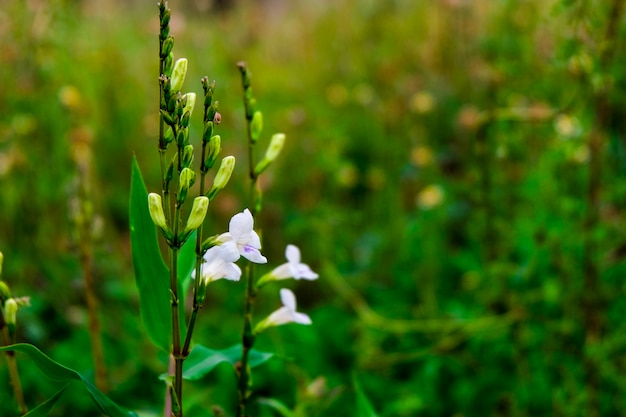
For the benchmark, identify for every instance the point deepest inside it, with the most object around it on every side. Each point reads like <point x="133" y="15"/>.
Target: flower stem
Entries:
<point x="176" y="351"/>
<point x="13" y="372"/>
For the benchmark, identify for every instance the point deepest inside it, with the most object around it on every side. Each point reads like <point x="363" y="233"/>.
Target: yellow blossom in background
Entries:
<point x="348" y="175"/>
<point x="422" y="102"/>
<point x="70" y="97"/>
<point x="567" y="126"/>
<point x="364" y="94"/>
<point x="421" y="155"/>
<point x="430" y="197"/>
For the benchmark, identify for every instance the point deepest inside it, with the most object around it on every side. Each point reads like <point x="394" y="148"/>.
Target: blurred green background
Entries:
<point x="454" y="170"/>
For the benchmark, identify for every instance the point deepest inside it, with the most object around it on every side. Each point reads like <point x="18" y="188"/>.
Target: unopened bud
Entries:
<point x="183" y="137"/>
<point x="208" y="131"/>
<point x="191" y="102"/>
<point x="1" y="259"/>
<point x="217" y="119"/>
<point x="169" y="173"/>
<point x="168" y="45"/>
<point x="168" y="64"/>
<point x="178" y="74"/>
<point x="187" y="156"/>
<point x="256" y="126"/>
<point x="167" y="119"/>
<point x="168" y="137"/>
<point x="214" y="149"/>
<point x="223" y="176"/>
<point x="5" y="294"/>
<point x="197" y="214"/>
<point x="155" y="206"/>
<point x="165" y="17"/>
<point x="10" y="313"/>
<point x="186" y="180"/>
<point x="273" y="150"/>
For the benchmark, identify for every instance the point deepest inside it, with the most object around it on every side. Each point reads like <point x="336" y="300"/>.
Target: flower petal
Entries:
<point x="301" y="318"/>
<point x="292" y="253"/>
<point x="302" y="271"/>
<point x="288" y="298"/>
<point x="241" y="225"/>
<point x="282" y="271"/>
<point x="252" y="254"/>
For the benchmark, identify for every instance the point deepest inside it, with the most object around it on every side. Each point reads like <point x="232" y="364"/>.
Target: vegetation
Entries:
<point x="454" y="171"/>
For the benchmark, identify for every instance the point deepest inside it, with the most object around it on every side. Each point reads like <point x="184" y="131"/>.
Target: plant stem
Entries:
<point x="86" y="260"/>
<point x="13" y="372"/>
<point x="176" y="351"/>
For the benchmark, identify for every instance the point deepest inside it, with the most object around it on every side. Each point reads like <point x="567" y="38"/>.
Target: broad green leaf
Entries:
<point x="44" y="409"/>
<point x="60" y="373"/>
<point x="277" y="406"/>
<point x="363" y="406"/>
<point x="151" y="273"/>
<point x="203" y="360"/>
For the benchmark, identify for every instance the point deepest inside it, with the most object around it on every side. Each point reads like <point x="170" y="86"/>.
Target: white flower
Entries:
<point x="218" y="264"/>
<point x="240" y="231"/>
<point x="293" y="268"/>
<point x="286" y="314"/>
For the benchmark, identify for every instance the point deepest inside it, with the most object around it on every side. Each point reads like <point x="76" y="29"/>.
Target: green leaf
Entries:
<point x="44" y="409"/>
<point x="363" y="406"/>
<point x="60" y="373"/>
<point x="151" y="273"/>
<point x="202" y="360"/>
<point x="277" y="406"/>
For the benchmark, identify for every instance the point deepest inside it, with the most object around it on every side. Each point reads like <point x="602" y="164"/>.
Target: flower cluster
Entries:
<point x="242" y="240"/>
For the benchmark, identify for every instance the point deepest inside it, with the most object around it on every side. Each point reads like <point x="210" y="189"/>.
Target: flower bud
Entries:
<point x="273" y="150"/>
<point x="10" y="314"/>
<point x="190" y="102"/>
<point x="168" y="137"/>
<point x="167" y="119"/>
<point x="169" y="173"/>
<point x="214" y="148"/>
<point x="1" y="259"/>
<point x="168" y="45"/>
<point x="165" y="17"/>
<point x="155" y="206"/>
<point x="256" y="126"/>
<point x="186" y="180"/>
<point x="208" y="131"/>
<point x="178" y="74"/>
<point x="183" y="137"/>
<point x="5" y="294"/>
<point x="197" y="214"/>
<point x="187" y="156"/>
<point x="222" y="176"/>
<point x="168" y="64"/>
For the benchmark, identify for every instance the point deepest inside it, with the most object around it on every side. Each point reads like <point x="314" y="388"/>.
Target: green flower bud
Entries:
<point x="208" y="131"/>
<point x="5" y="294"/>
<point x="155" y="206"/>
<point x="168" y="137"/>
<point x="197" y="214"/>
<point x="165" y="17"/>
<point x="1" y="259"/>
<point x="190" y="102"/>
<point x="168" y="45"/>
<point x="166" y="117"/>
<point x="212" y="111"/>
<point x="186" y="180"/>
<point x="214" y="148"/>
<point x="187" y="156"/>
<point x="168" y="64"/>
<point x="222" y="177"/>
<point x="276" y="145"/>
<point x="10" y="314"/>
<point x="256" y="126"/>
<point x="183" y="137"/>
<point x="178" y="74"/>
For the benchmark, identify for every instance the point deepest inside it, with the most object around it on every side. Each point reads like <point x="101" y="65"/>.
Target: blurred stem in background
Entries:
<point x="592" y="298"/>
<point x="86" y="223"/>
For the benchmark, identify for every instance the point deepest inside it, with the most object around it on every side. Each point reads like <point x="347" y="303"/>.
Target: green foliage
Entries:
<point x="436" y="174"/>
<point x="63" y="376"/>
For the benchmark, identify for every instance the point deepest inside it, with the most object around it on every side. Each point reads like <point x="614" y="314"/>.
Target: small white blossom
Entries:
<point x="293" y="268"/>
<point x="219" y="263"/>
<point x="286" y="314"/>
<point x="241" y="232"/>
